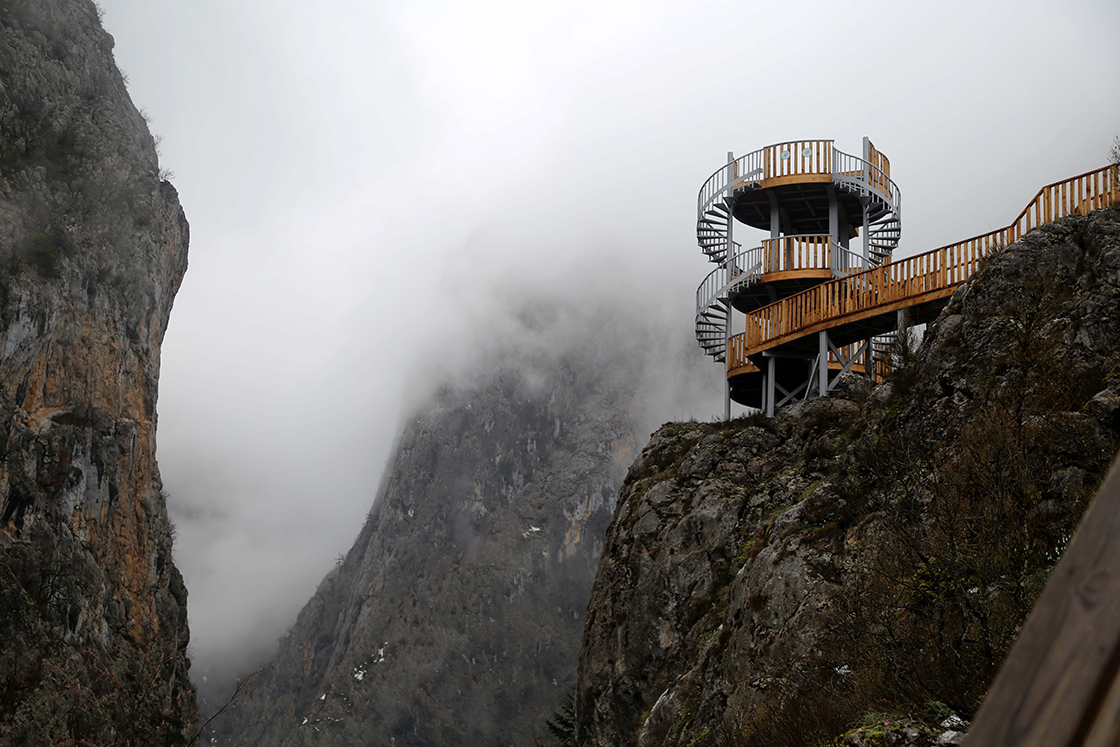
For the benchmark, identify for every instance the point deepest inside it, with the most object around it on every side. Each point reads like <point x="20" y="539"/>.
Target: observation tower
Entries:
<point x="828" y="214"/>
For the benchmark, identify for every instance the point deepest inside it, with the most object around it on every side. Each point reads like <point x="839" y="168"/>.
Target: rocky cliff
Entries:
<point x="456" y="616"/>
<point x="867" y="557"/>
<point x="93" y="246"/>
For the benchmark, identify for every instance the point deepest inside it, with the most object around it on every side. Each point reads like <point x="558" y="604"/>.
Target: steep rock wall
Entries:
<point x="456" y="616"/>
<point x="769" y="582"/>
<point x="93" y="247"/>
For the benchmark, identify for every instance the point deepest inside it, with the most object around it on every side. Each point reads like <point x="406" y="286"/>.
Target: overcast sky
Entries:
<point x="353" y="169"/>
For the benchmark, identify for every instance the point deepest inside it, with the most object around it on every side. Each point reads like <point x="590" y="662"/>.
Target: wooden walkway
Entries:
<point x="1060" y="685"/>
<point x="912" y="282"/>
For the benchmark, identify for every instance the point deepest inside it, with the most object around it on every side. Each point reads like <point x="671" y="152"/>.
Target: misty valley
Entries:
<point x="473" y="432"/>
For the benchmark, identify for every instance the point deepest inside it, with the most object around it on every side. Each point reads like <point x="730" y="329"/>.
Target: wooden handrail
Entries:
<point x="924" y="277"/>
<point x="1060" y="685"/>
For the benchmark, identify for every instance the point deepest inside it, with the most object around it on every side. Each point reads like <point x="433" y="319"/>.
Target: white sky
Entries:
<point x="335" y="159"/>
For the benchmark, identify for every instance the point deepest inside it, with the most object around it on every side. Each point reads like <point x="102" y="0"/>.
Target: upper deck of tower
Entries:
<point x="804" y="188"/>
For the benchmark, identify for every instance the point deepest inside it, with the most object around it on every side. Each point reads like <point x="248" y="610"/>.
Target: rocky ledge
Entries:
<point x="772" y="582"/>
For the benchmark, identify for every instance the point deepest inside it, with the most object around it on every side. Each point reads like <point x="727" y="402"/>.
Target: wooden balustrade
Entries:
<point x="877" y="159"/>
<point x="881" y="366"/>
<point x="796" y="253"/>
<point x="1059" y="686"/>
<point x="796" y="158"/>
<point x="880" y="175"/>
<point x="803" y="158"/>
<point x="906" y="282"/>
<point x="1089" y="191"/>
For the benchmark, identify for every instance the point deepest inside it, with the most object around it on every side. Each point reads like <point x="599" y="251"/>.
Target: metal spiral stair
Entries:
<point x="850" y="175"/>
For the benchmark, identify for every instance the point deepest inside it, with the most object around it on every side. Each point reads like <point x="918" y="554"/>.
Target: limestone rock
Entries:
<point x="771" y="581"/>
<point x="93" y="246"/>
<point x="456" y="616"/>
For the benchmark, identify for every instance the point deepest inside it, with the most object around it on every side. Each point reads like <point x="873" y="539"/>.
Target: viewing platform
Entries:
<point x="821" y="295"/>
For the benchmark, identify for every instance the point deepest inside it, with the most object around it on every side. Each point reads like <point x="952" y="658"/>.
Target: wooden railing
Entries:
<point x="877" y="159"/>
<point x="882" y="364"/>
<point x="1060" y="685"/>
<point x="1090" y="191"/>
<point x="796" y="158"/>
<point x="882" y="367"/>
<point x="861" y="172"/>
<point x="880" y="177"/>
<point x="913" y="280"/>
<point x="803" y="252"/>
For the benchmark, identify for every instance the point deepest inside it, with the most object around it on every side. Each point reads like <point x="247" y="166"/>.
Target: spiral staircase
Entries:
<point x="814" y="199"/>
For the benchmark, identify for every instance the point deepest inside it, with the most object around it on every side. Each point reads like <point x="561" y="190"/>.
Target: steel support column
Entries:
<point x="729" y="259"/>
<point x="775" y="216"/>
<point x="833" y="231"/>
<point x="822" y="372"/>
<point x="771" y="385"/>
<point x="866" y="232"/>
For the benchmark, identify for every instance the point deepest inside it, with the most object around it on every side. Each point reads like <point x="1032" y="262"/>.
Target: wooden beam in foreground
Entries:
<point x="1059" y="686"/>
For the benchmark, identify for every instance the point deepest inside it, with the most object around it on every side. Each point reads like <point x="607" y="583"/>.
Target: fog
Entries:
<point x="373" y="186"/>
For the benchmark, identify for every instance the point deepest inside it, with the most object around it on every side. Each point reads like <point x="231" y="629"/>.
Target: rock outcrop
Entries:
<point x="770" y="582"/>
<point x="93" y="247"/>
<point x="456" y="617"/>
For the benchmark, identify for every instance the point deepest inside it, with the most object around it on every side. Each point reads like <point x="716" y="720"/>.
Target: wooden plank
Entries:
<point x="742" y="369"/>
<point x="1105" y="731"/>
<point x="818" y="274"/>
<point x="1061" y="676"/>
<point x="777" y="181"/>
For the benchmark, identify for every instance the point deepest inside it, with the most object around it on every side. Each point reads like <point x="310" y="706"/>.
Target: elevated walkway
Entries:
<point x="811" y="306"/>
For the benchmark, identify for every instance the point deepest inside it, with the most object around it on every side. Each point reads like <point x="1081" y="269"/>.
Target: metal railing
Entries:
<point x="861" y="174"/>
<point x="915" y="279"/>
<point x="744" y="267"/>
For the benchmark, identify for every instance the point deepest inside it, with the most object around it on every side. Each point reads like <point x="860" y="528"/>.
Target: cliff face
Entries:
<point x="770" y="582"/>
<point x="93" y="247"/>
<point x="456" y="616"/>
